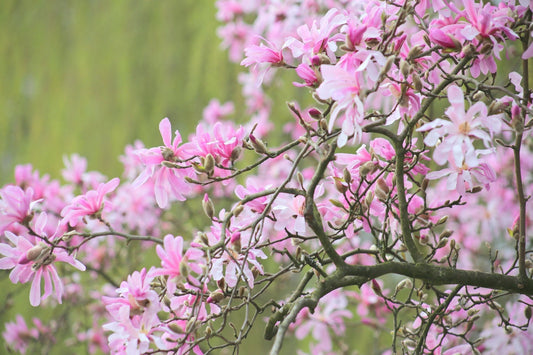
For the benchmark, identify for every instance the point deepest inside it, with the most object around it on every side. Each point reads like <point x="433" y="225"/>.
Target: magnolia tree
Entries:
<point x="398" y="201"/>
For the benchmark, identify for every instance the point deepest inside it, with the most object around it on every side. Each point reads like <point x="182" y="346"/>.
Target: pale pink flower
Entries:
<point x="215" y="111"/>
<point x="35" y="261"/>
<point x="329" y="315"/>
<point x="464" y="176"/>
<point x="134" y="335"/>
<point x="316" y="38"/>
<point x="135" y="294"/>
<point x="18" y="336"/>
<point x="220" y="140"/>
<point x="91" y="203"/>
<point x="459" y="132"/>
<point x="168" y="180"/>
<point x="15" y="206"/>
<point x="262" y="53"/>
<point x="175" y="264"/>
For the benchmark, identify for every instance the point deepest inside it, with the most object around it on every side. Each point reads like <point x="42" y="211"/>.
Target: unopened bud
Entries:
<point x="478" y="96"/>
<point x="369" y="198"/>
<point x="405" y="68"/>
<point x="208" y="331"/>
<point x="336" y="203"/>
<point x="468" y="51"/>
<point x="486" y="49"/>
<point x="175" y="327"/>
<point x="376" y="287"/>
<point x="417" y="83"/>
<point x="191" y="324"/>
<point x="33" y="253"/>
<point x="414" y="52"/>
<point x="216" y="296"/>
<point x="209" y="164"/>
<point x="315" y="113"/>
<point x="323" y="124"/>
<point x="238" y="210"/>
<point x="208" y="206"/>
<point x="442" y="243"/>
<point x="347" y="176"/>
<point x="425" y="184"/>
<point x="386" y="68"/>
<point x="258" y="145"/>
<point x="255" y="272"/>
<point x="446" y="234"/>
<point x="475" y="189"/>
<point x="339" y="185"/>
<point x="241" y="292"/>
<point x="442" y="220"/>
<point x="497" y="107"/>
<point x="236" y="153"/>
<point x="405" y="283"/>
<point x="367" y="168"/>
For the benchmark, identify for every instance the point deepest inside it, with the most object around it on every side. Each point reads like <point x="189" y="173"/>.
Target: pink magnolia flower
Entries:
<point x="220" y="140"/>
<point x="15" y="206"/>
<point x="459" y="132"/>
<point x="163" y="169"/>
<point x="18" y="336"/>
<point x="134" y="335"/>
<point x="90" y="204"/>
<point x="238" y="258"/>
<point x="135" y="294"/>
<point x="329" y="315"/>
<point x="258" y="54"/>
<point x="463" y="177"/>
<point x="312" y="40"/>
<point x="175" y="264"/>
<point x="308" y="74"/>
<point x="35" y="261"/>
<point x="215" y="111"/>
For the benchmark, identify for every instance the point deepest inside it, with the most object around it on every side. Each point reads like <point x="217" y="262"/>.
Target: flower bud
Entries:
<point x="478" y="96"/>
<point x="33" y="253"/>
<point x="315" y="113"/>
<point x="415" y="52"/>
<point x="417" y="83"/>
<point x="405" y="283"/>
<point x="216" y="296"/>
<point x="376" y="287"/>
<point x="235" y="153"/>
<point x="405" y="68"/>
<point x="258" y="145"/>
<point x="339" y="185"/>
<point x="209" y="164"/>
<point x="208" y="206"/>
<point x="175" y="327"/>
<point x="367" y="168"/>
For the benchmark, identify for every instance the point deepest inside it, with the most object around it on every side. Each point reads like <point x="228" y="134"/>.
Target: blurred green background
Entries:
<point x="91" y="76"/>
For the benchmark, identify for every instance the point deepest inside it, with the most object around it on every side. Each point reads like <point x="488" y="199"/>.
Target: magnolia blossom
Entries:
<point x="18" y="336"/>
<point x="162" y="166"/>
<point x="15" y="205"/>
<point x="175" y="264"/>
<point x="459" y="132"/>
<point x="35" y="260"/>
<point x="89" y="204"/>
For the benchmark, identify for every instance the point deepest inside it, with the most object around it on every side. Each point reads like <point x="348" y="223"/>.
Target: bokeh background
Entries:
<point x="91" y="76"/>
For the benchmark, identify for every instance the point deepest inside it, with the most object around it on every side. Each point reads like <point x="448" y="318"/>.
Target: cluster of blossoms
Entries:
<point x="410" y="170"/>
